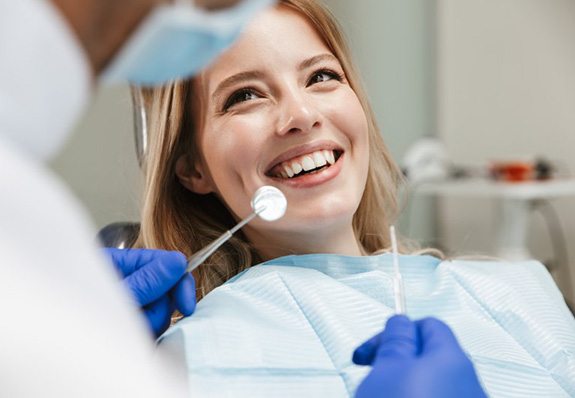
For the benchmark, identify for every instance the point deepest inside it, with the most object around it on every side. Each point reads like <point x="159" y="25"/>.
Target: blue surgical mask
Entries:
<point x="177" y="41"/>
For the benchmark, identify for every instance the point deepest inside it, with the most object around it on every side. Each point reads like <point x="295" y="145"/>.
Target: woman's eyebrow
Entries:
<point x="235" y="79"/>
<point x="316" y="59"/>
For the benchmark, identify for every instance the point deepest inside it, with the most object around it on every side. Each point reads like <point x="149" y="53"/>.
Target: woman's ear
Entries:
<point x="193" y="176"/>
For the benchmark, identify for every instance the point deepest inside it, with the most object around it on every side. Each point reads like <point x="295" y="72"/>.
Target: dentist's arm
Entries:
<point x="159" y="283"/>
<point x="420" y="359"/>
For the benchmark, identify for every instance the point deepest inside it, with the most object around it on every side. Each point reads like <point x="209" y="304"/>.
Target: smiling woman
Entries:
<point x="281" y="105"/>
<point x="284" y="107"/>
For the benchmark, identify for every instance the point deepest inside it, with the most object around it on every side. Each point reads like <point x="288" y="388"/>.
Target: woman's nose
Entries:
<point x="297" y="114"/>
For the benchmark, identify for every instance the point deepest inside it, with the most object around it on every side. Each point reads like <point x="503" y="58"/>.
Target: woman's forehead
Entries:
<point x="277" y="38"/>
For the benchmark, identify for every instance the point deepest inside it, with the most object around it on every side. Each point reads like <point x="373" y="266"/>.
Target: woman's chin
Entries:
<point x="320" y="221"/>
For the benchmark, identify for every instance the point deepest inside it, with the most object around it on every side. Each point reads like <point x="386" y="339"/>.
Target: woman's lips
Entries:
<point x="304" y="163"/>
<point x="299" y="152"/>
<point x="314" y="178"/>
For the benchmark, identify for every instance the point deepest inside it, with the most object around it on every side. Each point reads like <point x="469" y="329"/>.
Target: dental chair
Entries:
<point x="123" y="235"/>
<point x="119" y="235"/>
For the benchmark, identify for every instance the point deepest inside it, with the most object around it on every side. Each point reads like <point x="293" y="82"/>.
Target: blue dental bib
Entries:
<point x="288" y="327"/>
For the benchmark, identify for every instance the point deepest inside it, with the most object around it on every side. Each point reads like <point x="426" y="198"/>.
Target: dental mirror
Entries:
<point x="271" y="201"/>
<point x="267" y="202"/>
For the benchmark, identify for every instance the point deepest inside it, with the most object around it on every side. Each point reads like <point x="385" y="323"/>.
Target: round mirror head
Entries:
<point x="269" y="203"/>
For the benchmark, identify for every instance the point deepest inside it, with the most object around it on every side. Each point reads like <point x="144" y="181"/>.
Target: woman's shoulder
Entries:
<point x="516" y="287"/>
<point x="514" y="272"/>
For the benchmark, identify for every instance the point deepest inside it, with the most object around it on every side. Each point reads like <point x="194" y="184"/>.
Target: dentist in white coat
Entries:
<point x="68" y="328"/>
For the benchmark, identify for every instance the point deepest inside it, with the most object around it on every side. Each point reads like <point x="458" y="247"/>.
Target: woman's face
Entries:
<point x="279" y="111"/>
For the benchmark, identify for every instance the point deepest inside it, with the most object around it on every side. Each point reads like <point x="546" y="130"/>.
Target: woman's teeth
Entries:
<point x="309" y="162"/>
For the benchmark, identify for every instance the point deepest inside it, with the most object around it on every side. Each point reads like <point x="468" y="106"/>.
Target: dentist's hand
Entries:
<point x="420" y="359"/>
<point x="158" y="281"/>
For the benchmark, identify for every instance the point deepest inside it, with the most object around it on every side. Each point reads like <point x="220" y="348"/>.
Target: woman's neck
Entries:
<point x="337" y="240"/>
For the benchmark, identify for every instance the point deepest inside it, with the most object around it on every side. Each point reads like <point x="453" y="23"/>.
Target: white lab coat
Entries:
<point x="67" y="328"/>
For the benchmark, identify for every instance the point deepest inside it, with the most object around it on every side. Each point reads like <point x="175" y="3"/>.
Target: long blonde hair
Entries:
<point x="174" y="218"/>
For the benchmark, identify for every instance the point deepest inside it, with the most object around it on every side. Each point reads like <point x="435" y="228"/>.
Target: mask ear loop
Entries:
<point x="140" y="126"/>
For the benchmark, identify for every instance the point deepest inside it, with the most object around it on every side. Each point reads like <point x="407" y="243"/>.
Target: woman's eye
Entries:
<point x="239" y="96"/>
<point x="323" y="76"/>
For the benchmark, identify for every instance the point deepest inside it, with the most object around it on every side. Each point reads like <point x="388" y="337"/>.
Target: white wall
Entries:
<point x="99" y="162"/>
<point x="506" y="89"/>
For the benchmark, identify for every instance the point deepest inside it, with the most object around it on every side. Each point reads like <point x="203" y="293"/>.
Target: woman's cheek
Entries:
<point x="236" y="145"/>
<point x="357" y="125"/>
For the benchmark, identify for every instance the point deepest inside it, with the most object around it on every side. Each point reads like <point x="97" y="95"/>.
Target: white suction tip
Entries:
<point x="269" y="203"/>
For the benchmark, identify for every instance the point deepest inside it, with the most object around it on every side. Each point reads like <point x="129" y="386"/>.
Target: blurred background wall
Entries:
<point x="99" y="162"/>
<point x="493" y="79"/>
<point x="506" y="90"/>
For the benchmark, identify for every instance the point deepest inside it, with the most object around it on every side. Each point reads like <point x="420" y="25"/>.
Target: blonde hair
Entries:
<point x="175" y="218"/>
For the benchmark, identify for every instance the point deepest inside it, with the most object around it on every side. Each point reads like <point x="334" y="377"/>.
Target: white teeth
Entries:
<point x="288" y="171"/>
<point x="296" y="167"/>
<point x="319" y="159"/>
<point x="307" y="163"/>
<point x="329" y="156"/>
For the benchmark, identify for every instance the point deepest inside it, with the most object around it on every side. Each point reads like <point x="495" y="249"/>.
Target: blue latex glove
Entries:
<point x="158" y="281"/>
<point x="420" y="359"/>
